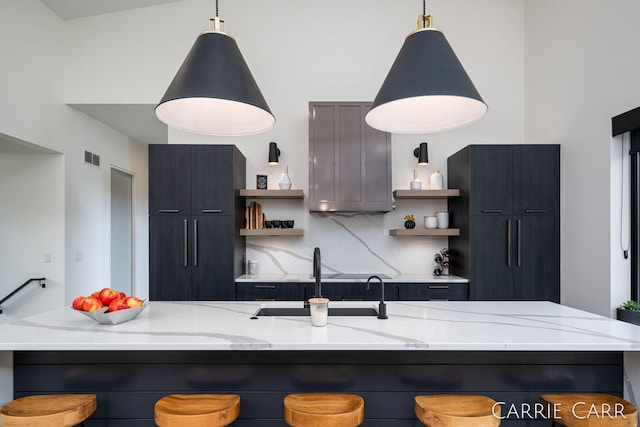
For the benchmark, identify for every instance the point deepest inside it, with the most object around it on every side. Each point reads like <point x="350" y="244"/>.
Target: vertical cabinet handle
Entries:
<point x="519" y="242"/>
<point x="195" y="242"/>
<point x="509" y="243"/>
<point x="185" y="248"/>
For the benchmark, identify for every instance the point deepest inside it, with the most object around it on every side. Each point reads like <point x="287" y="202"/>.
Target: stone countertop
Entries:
<point x="421" y="325"/>
<point x="306" y="278"/>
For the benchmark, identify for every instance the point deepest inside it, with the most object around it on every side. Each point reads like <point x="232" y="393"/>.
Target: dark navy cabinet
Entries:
<point x="508" y="213"/>
<point x="195" y="247"/>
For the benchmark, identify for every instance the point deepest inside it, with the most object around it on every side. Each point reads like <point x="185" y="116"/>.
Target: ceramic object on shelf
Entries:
<point x="285" y="180"/>
<point x="430" y="222"/>
<point x="443" y="219"/>
<point x="409" y="224"/>
<point x="436" y="181"/>
<point x="415" y="184"/>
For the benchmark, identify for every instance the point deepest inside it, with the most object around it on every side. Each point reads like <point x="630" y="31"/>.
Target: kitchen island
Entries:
<point x="511" y="351"/>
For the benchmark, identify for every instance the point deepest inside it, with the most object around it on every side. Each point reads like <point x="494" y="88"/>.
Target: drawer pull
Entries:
<point x="537" y="211"/>
<point x="169" y="210"/>
<point x="211" y="210"/>
<point x="438" y="299"/>
<point x="438" y="286"/>
<point x="495" y="211"/>
<point x="265" y="286"/>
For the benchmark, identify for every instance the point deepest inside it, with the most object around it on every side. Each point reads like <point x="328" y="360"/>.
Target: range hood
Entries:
<point x="349" y="161"/>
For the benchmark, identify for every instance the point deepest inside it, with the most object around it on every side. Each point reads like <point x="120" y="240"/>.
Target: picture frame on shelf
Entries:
<point x="261" y="182"/>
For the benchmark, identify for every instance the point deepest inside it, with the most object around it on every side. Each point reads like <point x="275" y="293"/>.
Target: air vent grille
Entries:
<point x="91" y="158"/>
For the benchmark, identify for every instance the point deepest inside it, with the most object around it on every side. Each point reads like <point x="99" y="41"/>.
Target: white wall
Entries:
<point x="301" y="51"/>
<point x="32" y="226"/>
<point x="32" y="110"/>
<point x="581" y="71"/>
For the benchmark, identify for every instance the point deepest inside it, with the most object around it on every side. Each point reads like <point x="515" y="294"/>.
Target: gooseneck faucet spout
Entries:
<point x="317" y="267"/>
<point x="382" y="307"/>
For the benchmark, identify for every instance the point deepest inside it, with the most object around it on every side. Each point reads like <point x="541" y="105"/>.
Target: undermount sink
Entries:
<point x="304" y="311"/>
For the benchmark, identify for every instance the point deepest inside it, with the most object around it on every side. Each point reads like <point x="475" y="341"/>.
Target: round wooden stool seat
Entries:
<point x="55" y="410"/>
<point x="457" y="410"/>
<point x="589" y="410"/>
<point x="195" y="410"/>
<point x="323" y="410"/>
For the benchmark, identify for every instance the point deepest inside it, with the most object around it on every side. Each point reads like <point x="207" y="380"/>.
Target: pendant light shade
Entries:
<point x="214" y="92"/>
<point x="427" y="89"/>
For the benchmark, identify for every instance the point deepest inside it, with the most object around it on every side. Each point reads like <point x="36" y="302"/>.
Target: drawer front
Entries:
<point x="265" y="291"/>
<point x="433" y="291"/>
<point x="448" y="291"/>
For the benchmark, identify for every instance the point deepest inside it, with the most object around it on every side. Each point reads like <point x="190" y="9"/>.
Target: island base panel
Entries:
<point x="128" y="383"/>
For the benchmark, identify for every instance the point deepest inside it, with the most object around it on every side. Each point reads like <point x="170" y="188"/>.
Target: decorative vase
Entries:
<point x="416" y="184"/>
<point x="436" y="181"/>
<point x="409" y="224"/>
<point x="285" y="180"/>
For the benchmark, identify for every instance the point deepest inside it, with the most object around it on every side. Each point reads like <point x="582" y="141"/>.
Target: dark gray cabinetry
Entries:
<point x="275" y="291"/>
<point x="433" y="291"/>
<point x="508" y="213"/>
<point x="195" y="248"/>
<point x="349" y="162"/>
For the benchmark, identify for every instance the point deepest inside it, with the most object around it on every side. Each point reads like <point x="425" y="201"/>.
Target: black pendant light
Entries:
<point x="214" y="92"/>
<point x="427" y="89"/>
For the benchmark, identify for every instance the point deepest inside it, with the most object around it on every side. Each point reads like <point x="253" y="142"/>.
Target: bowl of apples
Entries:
<point x="109" y="307"/>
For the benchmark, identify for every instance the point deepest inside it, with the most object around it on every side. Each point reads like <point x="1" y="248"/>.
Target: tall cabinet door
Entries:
<point x="169" y="260"/>
<point x="537" y="258"/>
<point x="492" y="258"/>
<point x="491" y="179"/>
<point x="213" y="258"/>
<point x="536" y="177"/>
<point x="212" y="189"/>
<point x="169" y="179"/>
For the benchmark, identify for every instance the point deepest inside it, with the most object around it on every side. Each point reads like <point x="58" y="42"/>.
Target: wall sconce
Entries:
<point x="274" y="153"/>
<point x="422" y="154"/>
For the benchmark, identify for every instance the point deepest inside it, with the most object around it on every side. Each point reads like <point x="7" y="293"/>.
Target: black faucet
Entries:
<point x="382" y="307"/>
<point x="317" y="266"/>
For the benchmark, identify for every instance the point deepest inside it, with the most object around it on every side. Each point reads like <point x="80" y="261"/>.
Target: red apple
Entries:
<point x="78" y="301"/>
<point x="123" y="295"/>
<point x="133" y="302"/>
<point x="91" y="303"/>
<point x="107" y="295"/>
<point x="117" y="304"/>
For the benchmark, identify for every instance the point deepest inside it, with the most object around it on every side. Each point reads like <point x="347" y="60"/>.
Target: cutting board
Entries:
<point x="254" y="218"/>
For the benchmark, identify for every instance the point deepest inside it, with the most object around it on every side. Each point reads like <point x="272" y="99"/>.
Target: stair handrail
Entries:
<point x="40" y="281"/>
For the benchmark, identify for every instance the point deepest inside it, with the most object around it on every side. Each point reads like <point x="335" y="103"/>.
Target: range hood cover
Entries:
<point x="349" y="161"/>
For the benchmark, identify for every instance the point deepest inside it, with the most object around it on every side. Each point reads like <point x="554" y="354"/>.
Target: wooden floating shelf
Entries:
<point x="272" y="194"/>
<point x="426" y="194"/>
<point x="271" y="232"/>
<point x="425" y="232"/>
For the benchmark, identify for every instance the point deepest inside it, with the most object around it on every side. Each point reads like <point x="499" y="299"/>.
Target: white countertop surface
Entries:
<point x="306" y="278"/>
<point x="423" y="325"/>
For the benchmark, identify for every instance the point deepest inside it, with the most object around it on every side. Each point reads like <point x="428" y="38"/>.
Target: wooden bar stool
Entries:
<point x="55" y="410"/>
<point x="323" y="410"/>
<point x="197" y="410"/>
<point x="457" y="410"/>
<point x="589" y="410"/>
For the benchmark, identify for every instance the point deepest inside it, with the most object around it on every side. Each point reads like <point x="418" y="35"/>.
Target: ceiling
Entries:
<point x="135" y="121"/>
<point x="73" y="9"/>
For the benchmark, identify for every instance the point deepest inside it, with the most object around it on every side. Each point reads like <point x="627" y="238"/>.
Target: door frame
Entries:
<point x="113" y="168"/>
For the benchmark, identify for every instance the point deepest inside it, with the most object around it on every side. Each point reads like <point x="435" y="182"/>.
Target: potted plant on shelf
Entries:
<point x="629" y="312"/>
